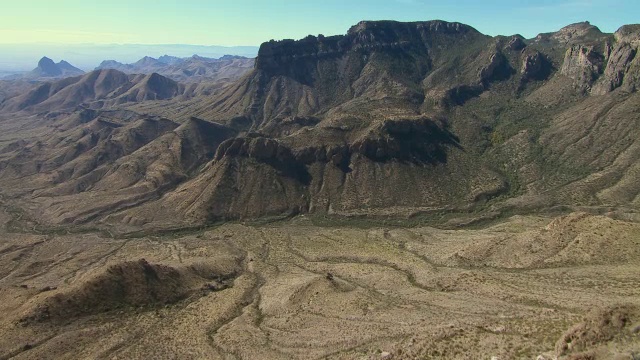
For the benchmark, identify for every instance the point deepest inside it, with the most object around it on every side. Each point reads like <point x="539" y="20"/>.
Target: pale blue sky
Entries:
<point x="251" y="22"/>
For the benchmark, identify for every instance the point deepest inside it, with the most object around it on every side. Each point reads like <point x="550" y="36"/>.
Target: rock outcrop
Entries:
<point x="583" y="64"/>
<point x="497" y="69"/>
<point x="623" y="66"/>
<point x="411" y="140"/>
<point x="575" y="33"/>
<point x="516" y="43"/>
<point x="534" y="66"/>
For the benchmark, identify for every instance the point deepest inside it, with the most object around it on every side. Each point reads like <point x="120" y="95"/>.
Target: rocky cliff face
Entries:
<point x="583" y="64"/>
<point x="534" y="66"/>
<point x="623" y="67"/>
<point x="599" y="63"/>
<point x="281" y="57"/>
<point x="374" y="60"/>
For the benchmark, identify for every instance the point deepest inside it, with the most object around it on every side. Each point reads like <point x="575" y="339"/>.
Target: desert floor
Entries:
<point x="521" y="288"/>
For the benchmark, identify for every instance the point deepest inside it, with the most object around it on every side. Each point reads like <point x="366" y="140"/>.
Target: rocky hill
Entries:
<point x="97" y="89"/>
<point x="423" y="120"/>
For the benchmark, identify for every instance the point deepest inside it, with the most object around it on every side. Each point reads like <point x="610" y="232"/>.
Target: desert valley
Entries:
<point x="407" y="190"/>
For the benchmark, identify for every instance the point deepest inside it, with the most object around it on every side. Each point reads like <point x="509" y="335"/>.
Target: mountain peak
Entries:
<point x="628" y="33"/>
<point x="584" y="25"/>
<point x="148" y="61"/>
<point x="232" y="57"/>
<point x="65" y="67"/>
<point x="48" y="68"/>
<point x="577" y="31"/>
<point x="169" y="60"/>
<point x="109" y="63"/>
<point x="45" y="61"/>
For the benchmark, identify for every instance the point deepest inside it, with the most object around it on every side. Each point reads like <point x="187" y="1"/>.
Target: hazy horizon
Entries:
<point x="86" y="32"/>
<point x="251" y="22"/>
<point x="24" y="57"/>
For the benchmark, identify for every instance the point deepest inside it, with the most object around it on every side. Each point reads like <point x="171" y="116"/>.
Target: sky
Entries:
<point x="251" y="22"/>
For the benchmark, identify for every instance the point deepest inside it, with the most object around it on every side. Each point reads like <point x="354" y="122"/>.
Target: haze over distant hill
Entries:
<point x="47" y="69"/>
<point x="194" y="68"/>
<point x="21" y="57"/>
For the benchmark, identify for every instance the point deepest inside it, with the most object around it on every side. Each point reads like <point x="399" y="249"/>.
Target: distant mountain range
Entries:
<point x="186" y="69"/>
<point x="20" y="57"/>
<point x="66" y="87"/>
<point x="191" y="69"/>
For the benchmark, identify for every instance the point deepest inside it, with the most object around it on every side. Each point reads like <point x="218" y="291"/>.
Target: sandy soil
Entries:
<point x="520" y="289"/>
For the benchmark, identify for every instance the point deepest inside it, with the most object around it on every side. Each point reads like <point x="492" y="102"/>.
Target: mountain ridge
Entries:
<point x="190" y="69"/>
<point x="338" y="126"/>
<point x="97" y="89"/>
